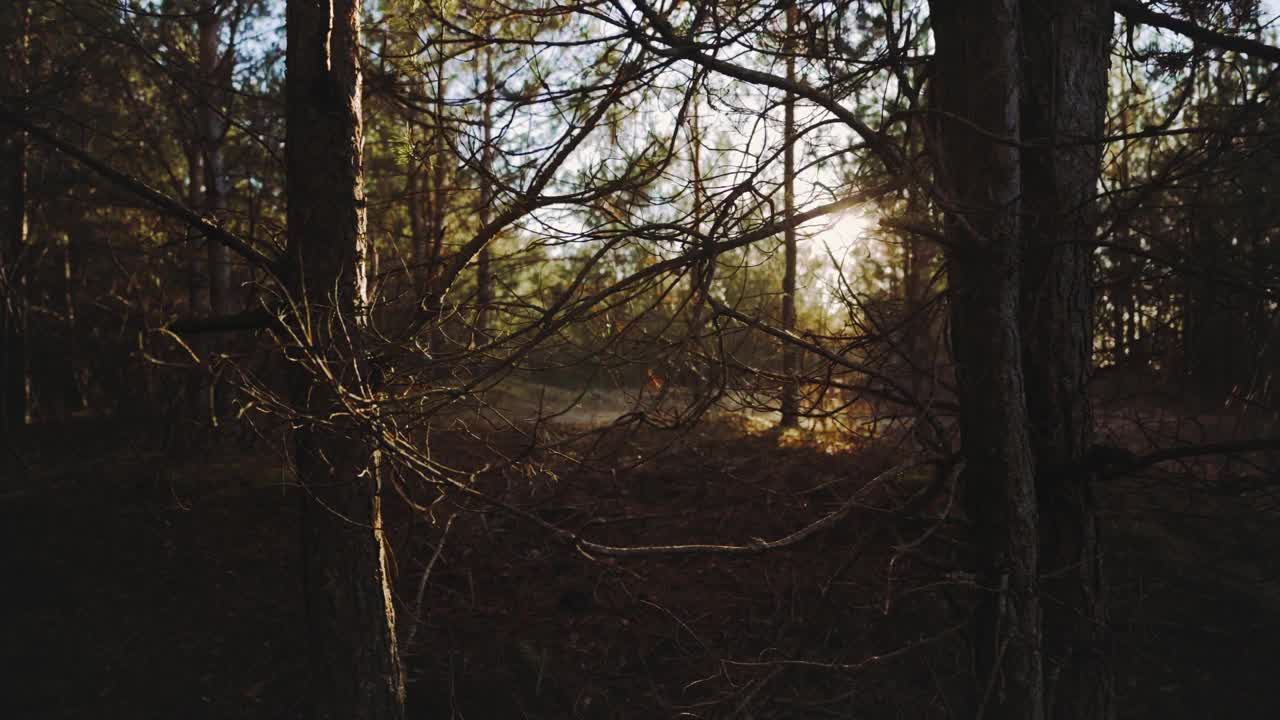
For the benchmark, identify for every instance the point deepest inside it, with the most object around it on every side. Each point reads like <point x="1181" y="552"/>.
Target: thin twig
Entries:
<point x="422" y="584"/>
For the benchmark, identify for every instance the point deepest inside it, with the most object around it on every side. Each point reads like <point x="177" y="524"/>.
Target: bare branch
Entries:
<point x="1134" y="11"/>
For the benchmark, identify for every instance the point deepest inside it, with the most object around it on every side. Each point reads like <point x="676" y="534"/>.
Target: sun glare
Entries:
<point x="837" y="246"/>
<point x="842" y="236"/>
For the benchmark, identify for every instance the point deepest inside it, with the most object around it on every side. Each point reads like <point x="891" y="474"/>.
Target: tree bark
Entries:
<point x="1066" y="50"/>
<point x="355" y="668"/>
<point x="790" y="357"/>
<point x="977" y="91"/>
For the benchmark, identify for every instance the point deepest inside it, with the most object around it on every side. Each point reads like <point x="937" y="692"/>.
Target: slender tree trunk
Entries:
<point x="1121" y="300"/>
<point x="976" y="88"/>
<point x="416" y="193"/>
<point x="1211" y="322"/>
<point x="1121" y="290"/>
<point x="1066" y="49"/>
<point x="213" y="129"/>
<point x="14" y="375"/>
<point x="197" y="297"/>
<point x="920" y="255"/>
<point x="484" y="274"/>
<point x="74" y="395"/>
<point x="355" y="668"/>
<point x="438" y="176"/>
<point x="790" y="356"/>
<point x="703" y="274"/>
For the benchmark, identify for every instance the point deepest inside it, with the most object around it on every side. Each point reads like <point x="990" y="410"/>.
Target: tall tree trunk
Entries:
<point x="976" y="88"/>
<point x="1066" y="50"/>
<point x="484" y="274"/>
<point x="703" y="274"/>
<point x="920" y="254"/>
<point x="1211" y="321"/>
<point x="14" y="375"/>
<point x="355" y="668"/>
<point x="790" y="356"/>
<point x="437" y="178"/>
<point x="197" y="298"/>
<point x="415" y="191"/>
<point x="213" y="129"/>
<point x="430" y="244"/>
<point x="1120" y="292"/>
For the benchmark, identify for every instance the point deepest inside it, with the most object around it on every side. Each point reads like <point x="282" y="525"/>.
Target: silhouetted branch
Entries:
<point x="1135" y="11"/>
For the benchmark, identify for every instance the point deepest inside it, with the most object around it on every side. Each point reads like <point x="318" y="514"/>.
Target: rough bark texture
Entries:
<point x="976" y="94"/>
<point x="790" y="358"/>
<point x="354" y="661"/>
<point x="1065" y="55"/>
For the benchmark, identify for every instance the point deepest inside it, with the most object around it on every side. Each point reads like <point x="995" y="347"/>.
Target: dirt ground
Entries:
<point x="139" y="585"/>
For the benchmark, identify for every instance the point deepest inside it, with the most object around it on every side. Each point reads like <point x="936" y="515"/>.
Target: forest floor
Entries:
<point x="139" y="584"/>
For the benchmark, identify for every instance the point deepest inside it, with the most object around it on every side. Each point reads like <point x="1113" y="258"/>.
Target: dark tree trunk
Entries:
<point x="436" y="199"/>
<point x="1213" y="322"/>
<point x="14" y="380"/>
<point x="13" y="317"/>
<point x="197" y="297"/>
<point x="1066" y="50"/>
<point x="416" y="191"/>
<point x="355" y="669"/>
<point x="977" y="90"/>
<point x="790" y="357"/>
<point x="1120" y="292"/>
<point x="484" y="273"/>
<point x="437" y="194"/>
<point x="919" y="346"/>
